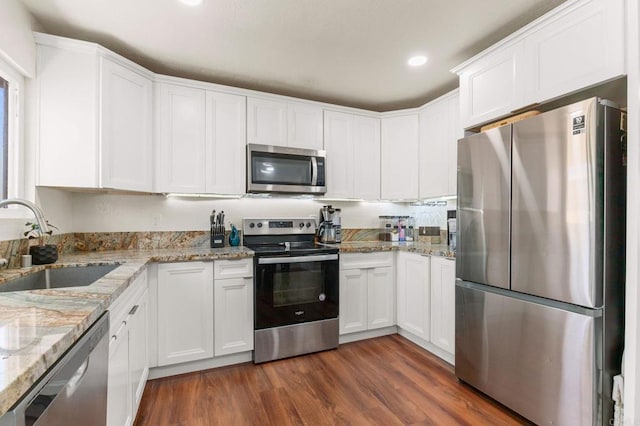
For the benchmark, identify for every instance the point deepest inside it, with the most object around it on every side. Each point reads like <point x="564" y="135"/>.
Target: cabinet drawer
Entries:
<point x="232" y="268"/>
<point x="119" y="309"/>
<point x="366" y="260"/>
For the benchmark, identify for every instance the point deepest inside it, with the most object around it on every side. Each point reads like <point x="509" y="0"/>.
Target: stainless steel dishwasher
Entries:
<point x="74" y="390"/>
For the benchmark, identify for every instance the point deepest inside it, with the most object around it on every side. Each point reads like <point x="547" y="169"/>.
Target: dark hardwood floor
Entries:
<point x="382" y="381"/>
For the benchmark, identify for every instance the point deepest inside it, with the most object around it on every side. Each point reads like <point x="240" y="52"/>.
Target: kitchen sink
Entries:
<point x="71" y="276"/>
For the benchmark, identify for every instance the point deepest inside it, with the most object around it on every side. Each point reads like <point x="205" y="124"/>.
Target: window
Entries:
<point x="4" y="138"/>
<point x="14" y="172"/>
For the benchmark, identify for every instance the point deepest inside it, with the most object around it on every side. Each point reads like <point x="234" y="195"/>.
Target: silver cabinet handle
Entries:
<point x="133" y="310"/>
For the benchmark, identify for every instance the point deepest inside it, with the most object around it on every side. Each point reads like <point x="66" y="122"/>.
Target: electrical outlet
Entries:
<point x="156" y="218"/>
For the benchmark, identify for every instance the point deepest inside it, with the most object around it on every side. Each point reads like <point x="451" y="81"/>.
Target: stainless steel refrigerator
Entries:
<point x="540" y="263"/>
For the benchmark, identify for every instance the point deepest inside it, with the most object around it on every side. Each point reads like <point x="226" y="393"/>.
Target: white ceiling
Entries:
<point x="348" y="52"/>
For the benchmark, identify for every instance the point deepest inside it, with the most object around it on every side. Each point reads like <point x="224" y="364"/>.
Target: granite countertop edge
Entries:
<point x="428" y="249"/>
<point x="56" y="318"/>
<point x="63" y="315"/>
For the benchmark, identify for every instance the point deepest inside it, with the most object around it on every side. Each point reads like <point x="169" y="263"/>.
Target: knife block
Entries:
<point x="217" y="240"/>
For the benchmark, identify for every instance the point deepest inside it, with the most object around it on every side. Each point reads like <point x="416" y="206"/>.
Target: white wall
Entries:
<point x="16" y="39"/>
<point x="114" y="212"/>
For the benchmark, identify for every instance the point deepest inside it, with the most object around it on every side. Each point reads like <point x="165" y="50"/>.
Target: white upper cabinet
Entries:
<point x="225" y="143"/>
<point x="576" y="45"/>
<point x="94" y="117"/>
<point x="127" y="161"/>
<point x="493" y="85"/>
<point x="200" y="140"/>
<point x="439" y="134"/>
<point x="180" y="139"/>
<point x="399" y="157"/>
<point x="266" y="122"/>
<point x="352" y="143"/>
<point x="304" y="126"/>
<point x="577" y="48"/>
<point x="281" y="123"/>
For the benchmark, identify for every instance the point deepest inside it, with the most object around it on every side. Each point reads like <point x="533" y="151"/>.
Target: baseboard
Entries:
<point x="369" y="334"/>
<point x="205" y="364"/>
<point x="446" y="356"/>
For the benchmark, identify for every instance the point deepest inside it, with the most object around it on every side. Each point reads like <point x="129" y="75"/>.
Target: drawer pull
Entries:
<point x="133" y="310"/>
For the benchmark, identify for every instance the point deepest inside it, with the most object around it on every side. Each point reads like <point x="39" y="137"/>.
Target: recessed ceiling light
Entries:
<point x="191" y="2"/>
<point x="416" y="61"/>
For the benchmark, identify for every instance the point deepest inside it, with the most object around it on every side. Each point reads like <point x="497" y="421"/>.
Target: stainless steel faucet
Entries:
<point x="37" y="212"/>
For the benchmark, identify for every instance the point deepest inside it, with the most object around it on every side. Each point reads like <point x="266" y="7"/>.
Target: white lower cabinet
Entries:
<point x="367" y="291"/>
<point x="414" y="294"/>
<point x="185" y="312"/>
<point x="139" y="348"/>
<point x="119" y="402"/>
<point x="128" y="353"/>
<point x="443" y="303"/>
<point x="233" y="295"/>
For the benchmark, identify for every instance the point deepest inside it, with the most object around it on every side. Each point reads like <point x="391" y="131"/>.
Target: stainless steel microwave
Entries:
<point x="282" y="169"/>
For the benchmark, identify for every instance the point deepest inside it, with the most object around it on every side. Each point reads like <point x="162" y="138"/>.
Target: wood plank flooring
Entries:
<point x="382" y="381"/>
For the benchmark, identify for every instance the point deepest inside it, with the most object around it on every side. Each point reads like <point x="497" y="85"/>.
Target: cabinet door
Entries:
<point x="413" y="294"/>
<point x="185" y="312"/>
<point x="304" y="126"/>
<point x="577" y="48"/>
<point x="339" y="146"/>
<point x="226" y="143"/>
<point x="455" y="132"/>
<point x="127" y="161"/>
<point x="353" y="300"/>
<point x="381" y="298"/>
<point x="443" y="285"/>
<point x="400" y="158"/>
<point x="119" y="410"/>
<point x="180" y="138"/>
<point x="233" y="315"/>
<point x="366" y="158"/>
<point x="138" y="348"/>
<point x="68" y="104"/>
<point x="266" y="122"/>
<point x="493" y="86"/>
<point x="434" y="150"/>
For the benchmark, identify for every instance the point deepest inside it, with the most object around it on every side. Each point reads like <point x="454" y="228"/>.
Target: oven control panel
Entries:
<point x="278" y="226"/>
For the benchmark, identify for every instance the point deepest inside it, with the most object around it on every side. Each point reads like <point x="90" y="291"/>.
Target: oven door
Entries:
<point x="281" y="169"/>
<point x="292" y="290"/>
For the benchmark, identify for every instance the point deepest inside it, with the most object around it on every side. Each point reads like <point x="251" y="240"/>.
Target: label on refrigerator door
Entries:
<point x="578" y="125"/>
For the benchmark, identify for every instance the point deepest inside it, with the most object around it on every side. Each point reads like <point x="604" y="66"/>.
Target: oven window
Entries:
<point x="278" y="169"/>
<point x="297" y="284"/>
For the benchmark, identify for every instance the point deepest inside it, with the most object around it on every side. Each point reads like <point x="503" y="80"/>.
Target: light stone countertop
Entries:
<point x="37" y="327"/>
<point x="441" y="250"/>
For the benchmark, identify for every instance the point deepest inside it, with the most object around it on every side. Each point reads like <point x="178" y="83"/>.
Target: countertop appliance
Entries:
<point x="74" y="390"/>
<point x="540" y="264"/>
<point x="296" y="288"/>
<point x="288" y="170"/>
<point x="328" y="230"/>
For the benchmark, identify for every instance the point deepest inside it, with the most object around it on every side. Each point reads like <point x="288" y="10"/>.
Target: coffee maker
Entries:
<point x="326" y="228"/>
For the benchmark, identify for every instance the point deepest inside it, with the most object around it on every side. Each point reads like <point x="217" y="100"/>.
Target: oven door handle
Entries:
<point x="296" y="259"/>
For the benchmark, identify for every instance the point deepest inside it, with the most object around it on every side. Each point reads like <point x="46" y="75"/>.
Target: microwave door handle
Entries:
<point x="314" y="171"/>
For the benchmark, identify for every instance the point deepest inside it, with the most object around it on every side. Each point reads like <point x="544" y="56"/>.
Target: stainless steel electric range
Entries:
<point x="296" y="288"/>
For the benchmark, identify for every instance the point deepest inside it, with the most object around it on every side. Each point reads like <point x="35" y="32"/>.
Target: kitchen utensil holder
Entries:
<point x="217" y="240"/>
